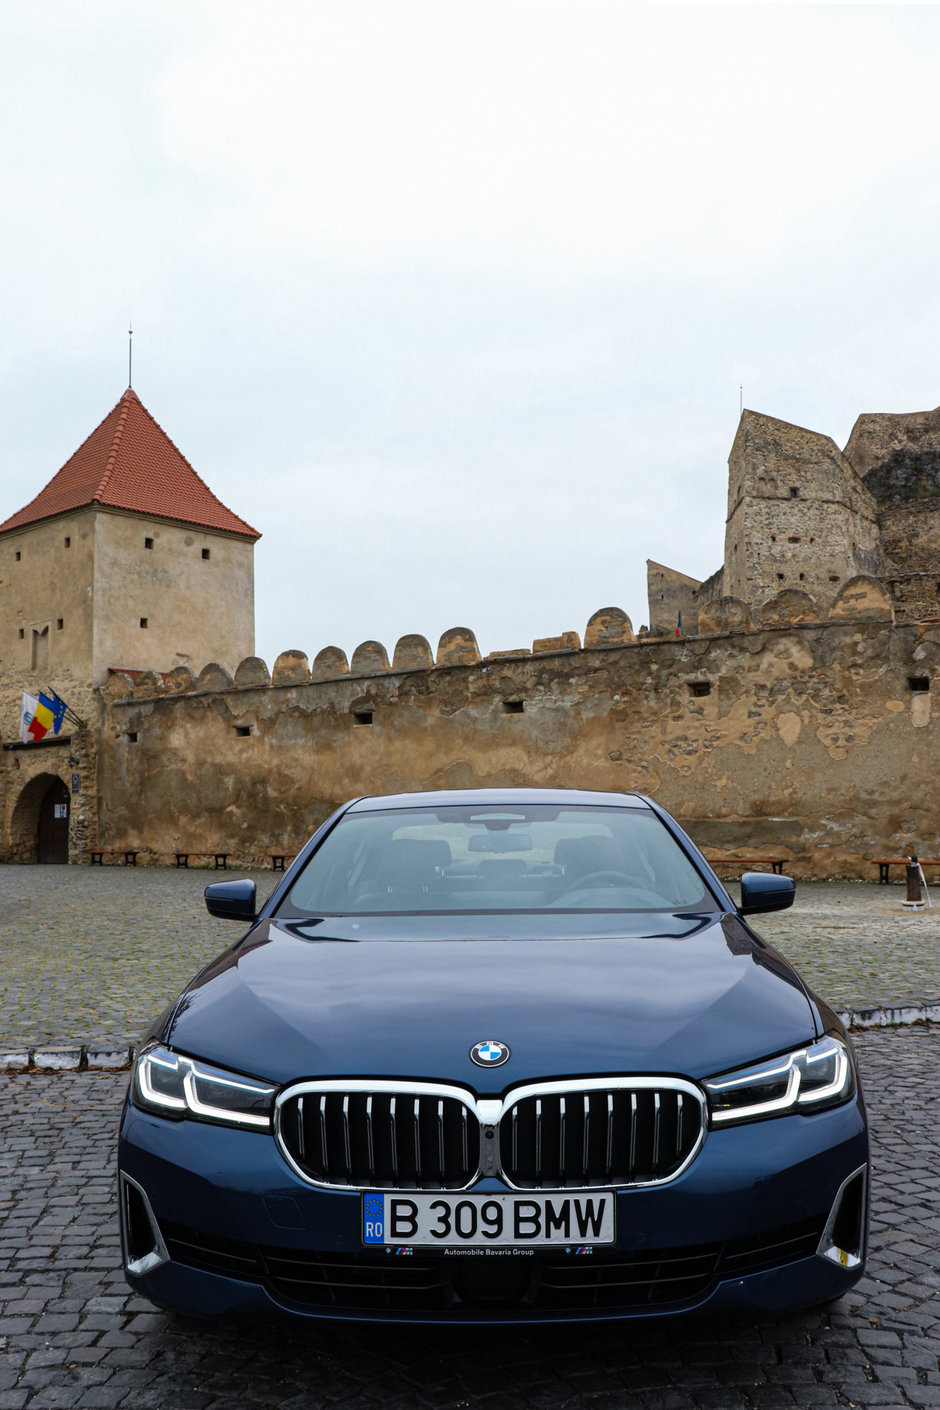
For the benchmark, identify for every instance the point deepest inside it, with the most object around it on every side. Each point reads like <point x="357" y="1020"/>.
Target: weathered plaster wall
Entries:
<point x="77" y="587"/>
<point x="197" y="609"/>
<point x="670" y="593"/>
<point x="49" y="582"/>
<point x="46" y="578"/>
<point x="803" y="740"/>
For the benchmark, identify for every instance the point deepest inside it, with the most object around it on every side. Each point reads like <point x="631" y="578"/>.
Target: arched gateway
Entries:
<point x="39" y="829"/>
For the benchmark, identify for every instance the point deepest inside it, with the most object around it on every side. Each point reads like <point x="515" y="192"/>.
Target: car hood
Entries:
<point x="326" y="1000"/>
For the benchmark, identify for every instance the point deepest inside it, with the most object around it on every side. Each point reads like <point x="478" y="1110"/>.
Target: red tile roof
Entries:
<point x="129" y="462"/>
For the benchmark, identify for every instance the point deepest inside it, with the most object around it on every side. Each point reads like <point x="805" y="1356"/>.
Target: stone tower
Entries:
<point x="898" y="459"/>
<point x="799" y="517"/>
<point x="125" y="559"/>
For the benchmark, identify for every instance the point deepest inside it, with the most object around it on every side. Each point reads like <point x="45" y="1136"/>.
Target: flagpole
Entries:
<point x="69" y="713"/>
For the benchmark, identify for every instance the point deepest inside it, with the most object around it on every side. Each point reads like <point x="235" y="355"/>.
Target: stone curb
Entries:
<point x="892" y="1015"/>
<point x="71" y="1057"/>
<point x="112" y="1057"/>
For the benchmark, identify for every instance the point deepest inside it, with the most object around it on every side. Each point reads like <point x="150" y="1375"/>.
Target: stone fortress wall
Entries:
<point x="808" y="740"/>
<point x="791" y="717"/>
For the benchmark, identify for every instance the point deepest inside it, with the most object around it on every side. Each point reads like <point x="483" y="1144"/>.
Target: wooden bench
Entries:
<point x="776" y="864"/>
<point x="278" y="859"/>
<point x="98" y="854"/>
<point x="220" y="858"/>
<point x="884" y="865"/>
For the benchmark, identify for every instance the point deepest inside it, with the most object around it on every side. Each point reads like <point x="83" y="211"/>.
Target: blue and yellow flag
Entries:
<point x="57" y="705"/>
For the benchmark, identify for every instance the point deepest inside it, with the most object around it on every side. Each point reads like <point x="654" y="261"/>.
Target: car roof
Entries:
<point x="499" y="797"/>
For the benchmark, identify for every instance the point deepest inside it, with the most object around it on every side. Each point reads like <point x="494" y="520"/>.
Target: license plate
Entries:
<point x="484" y="1220"/>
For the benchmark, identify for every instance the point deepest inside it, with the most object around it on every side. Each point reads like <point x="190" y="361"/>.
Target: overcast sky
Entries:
<point x="452" y="300"/>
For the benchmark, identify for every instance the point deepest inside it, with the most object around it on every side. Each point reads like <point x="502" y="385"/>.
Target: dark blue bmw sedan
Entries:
<point x="494" y="1056"/>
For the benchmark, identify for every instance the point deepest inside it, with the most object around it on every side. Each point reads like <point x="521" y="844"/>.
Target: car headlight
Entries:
<point x="171" y="1085"/>
<point x="806" y="1080"/>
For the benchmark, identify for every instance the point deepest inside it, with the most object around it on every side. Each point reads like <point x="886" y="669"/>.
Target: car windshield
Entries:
<point x="474" y="859"/>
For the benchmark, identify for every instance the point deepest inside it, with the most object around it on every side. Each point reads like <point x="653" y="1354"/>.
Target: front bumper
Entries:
<point x="215" y="1223"/>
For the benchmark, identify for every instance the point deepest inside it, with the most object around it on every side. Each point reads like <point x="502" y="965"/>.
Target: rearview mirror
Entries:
<point x="763" y="891"/>
<point x="232" y="900"/>
<point x="500" y="842"/>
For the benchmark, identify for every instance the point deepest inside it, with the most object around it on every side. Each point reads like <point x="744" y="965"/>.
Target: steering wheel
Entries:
<point x="598" y="878"/>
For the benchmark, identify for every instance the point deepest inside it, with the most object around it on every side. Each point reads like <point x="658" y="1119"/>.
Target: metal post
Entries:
<point x="915" y="897"/>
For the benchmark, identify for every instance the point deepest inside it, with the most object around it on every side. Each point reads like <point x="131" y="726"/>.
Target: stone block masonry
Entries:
<point x="798" y="515"/>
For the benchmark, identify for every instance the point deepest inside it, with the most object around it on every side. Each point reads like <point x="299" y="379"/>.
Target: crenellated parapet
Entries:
<point x="252" y="673"/>
<point x="609" y="627"/>
<point x="862" y="598"/>
<point x="413" y="653"/>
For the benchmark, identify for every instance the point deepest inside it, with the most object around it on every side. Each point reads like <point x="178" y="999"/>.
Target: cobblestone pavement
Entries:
<point x="853" y="943"/>
<point x="73" y="1335"/>
<point x="93" y="953"/>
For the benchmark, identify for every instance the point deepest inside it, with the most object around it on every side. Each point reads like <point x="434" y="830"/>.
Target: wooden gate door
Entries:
<point x="53" y="835"/>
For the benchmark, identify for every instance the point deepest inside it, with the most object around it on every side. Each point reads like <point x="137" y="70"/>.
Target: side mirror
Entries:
<point x="764" y="891"/>
<point x="232" y="900"/>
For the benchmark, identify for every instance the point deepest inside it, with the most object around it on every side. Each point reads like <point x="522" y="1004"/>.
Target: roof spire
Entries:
<point x="130" y="353"/>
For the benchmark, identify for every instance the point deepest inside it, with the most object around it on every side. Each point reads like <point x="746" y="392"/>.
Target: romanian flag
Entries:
<point x="679" y="625"/>
<point x="43" y="718"/>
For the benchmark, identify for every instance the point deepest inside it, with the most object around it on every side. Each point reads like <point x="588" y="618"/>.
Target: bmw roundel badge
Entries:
<point x="490" y="1053"/>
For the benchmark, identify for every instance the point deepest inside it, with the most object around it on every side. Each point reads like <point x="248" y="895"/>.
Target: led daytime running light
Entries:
<point x="169" y="1084"/>
<point x="796" y="1081"/>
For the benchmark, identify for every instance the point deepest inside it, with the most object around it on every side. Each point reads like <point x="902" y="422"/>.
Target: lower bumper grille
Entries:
<point x="214" y="1255"/>
<point x="403" y="1283"/>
